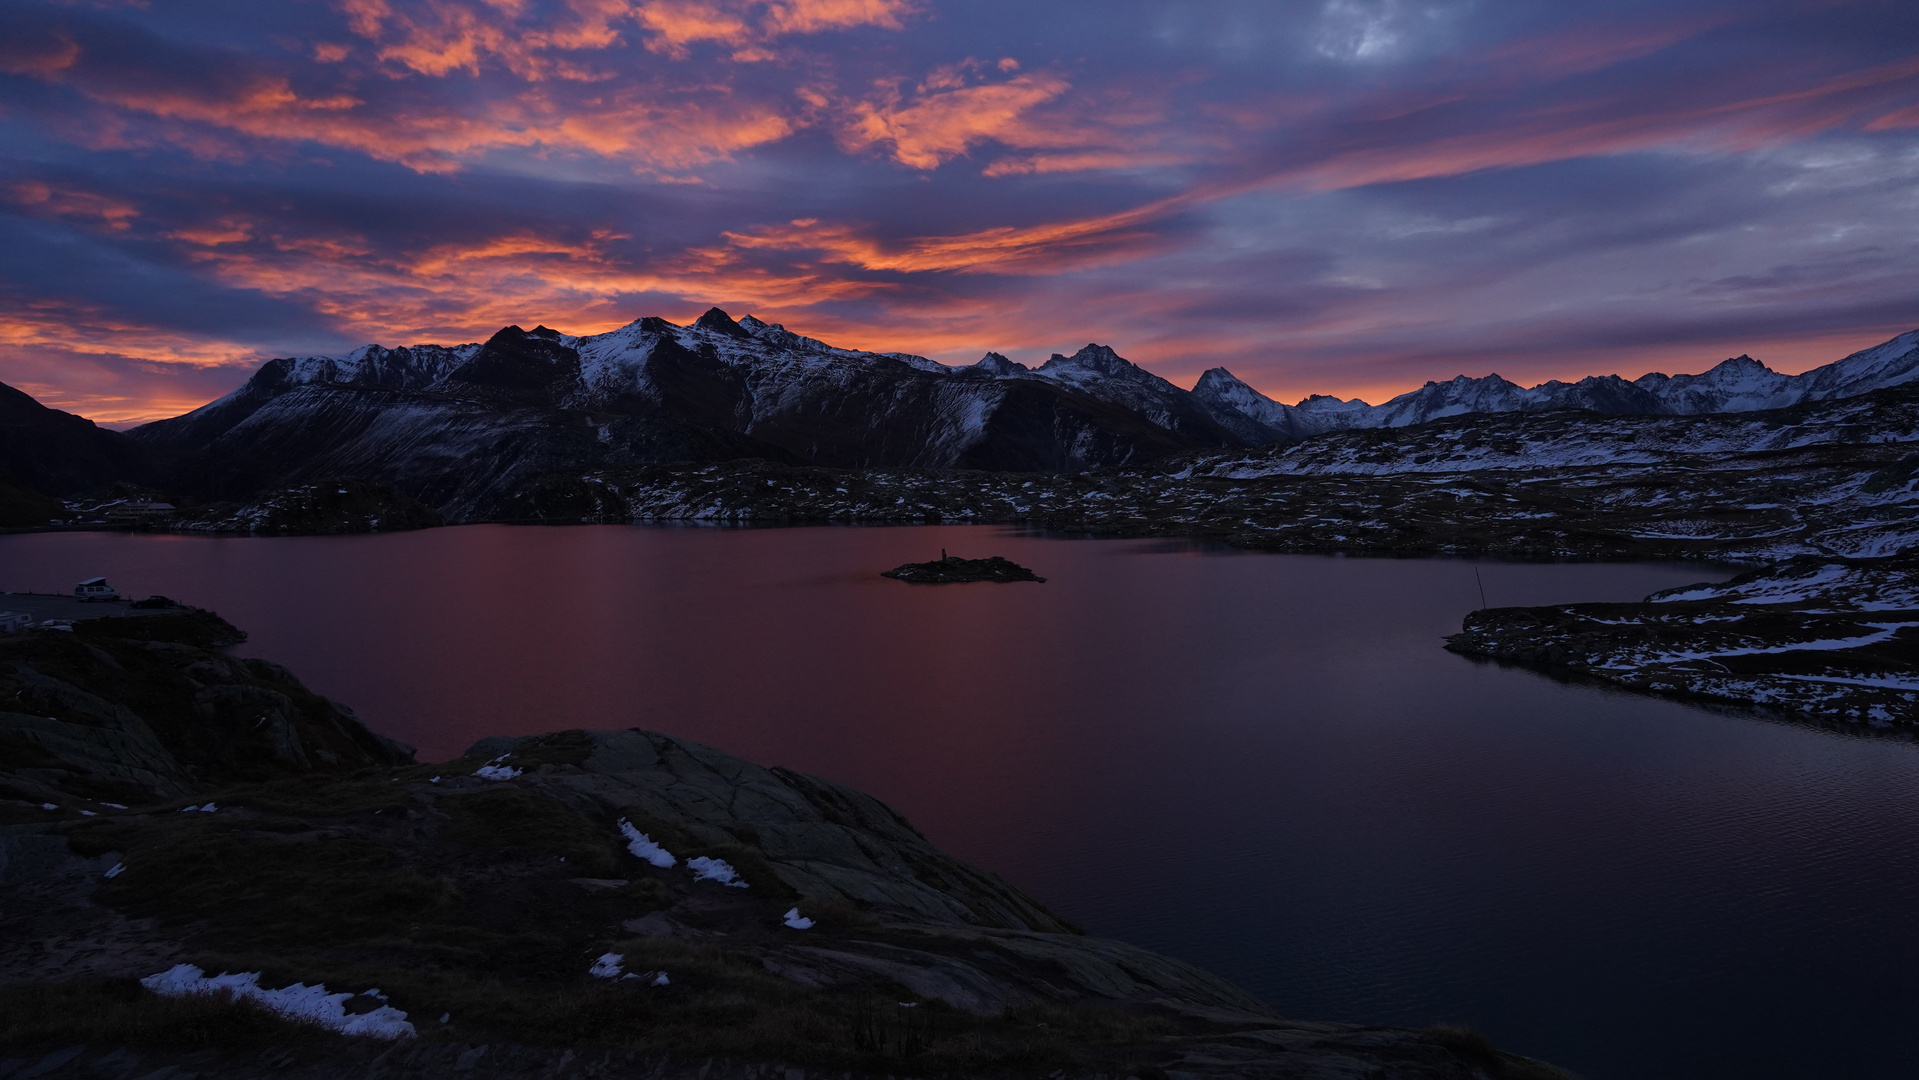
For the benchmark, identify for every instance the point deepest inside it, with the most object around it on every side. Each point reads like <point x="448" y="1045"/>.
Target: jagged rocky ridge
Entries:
<point x="480" y="895"/>
<point x="467" y="429"/>
<point x="462" y="429"/>
<point x="1740" y="384"/>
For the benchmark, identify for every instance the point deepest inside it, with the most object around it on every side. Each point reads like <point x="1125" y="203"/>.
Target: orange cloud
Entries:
<point x="748" y="24"/>
<point x="451" y="292"/>
<point x="951" y="119"/>
<point x="70" y="356"/>
<point x="675" y="24"/>
<point x="77" y="327"/>
<point x="813" y="16"/>
<point x="958" y="107"/>
<point x="651" y="119"/>
<point x="39" y="198"/>
<point x="647" y="127"/>
<point x="224" y="231"/>
<point x="1006" y="249"/>
<point x="438" y="37"/>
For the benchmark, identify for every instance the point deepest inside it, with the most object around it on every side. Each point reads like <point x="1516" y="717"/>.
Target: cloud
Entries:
<point x="1004" y="249"/>
<point x="961" y="106"/>
<point x="218" y="106"/>
<point x="747" y="26"/>
<point x="1900" y="118"/>
<point x="41" y="199"/>
<point x="1437" y="182"/>
<point x="439" y="37"/>
<point x="86" y="359"/>
<point x="945" y="120"/>
<point x="1363" y="30"/>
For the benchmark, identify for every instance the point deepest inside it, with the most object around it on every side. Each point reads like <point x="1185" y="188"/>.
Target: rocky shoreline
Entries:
<point x="1832" y="638"/>
<point x="1839" y="478"/>
<point x="165" y="804"/>
<point x="1828" y="478"/>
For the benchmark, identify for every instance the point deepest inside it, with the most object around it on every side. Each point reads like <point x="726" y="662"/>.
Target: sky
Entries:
<point x="1324" y="196"/>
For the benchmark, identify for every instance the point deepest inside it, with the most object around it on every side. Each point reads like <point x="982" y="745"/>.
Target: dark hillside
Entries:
<point x="57" y="453"/>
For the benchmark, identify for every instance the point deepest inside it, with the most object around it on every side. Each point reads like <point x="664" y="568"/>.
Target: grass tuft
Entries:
<point x="124" y="1012"/>
<point x="515" y="822"/>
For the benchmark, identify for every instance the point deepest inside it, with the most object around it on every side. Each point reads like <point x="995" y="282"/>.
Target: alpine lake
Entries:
<point x="1263" y="764"/>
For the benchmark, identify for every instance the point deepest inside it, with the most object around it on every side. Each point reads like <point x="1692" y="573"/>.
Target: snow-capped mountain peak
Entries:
<point x="1098" y="360"/>
<point x="1740" y="384"/>
<point x="995" y="364"/>
<point x="721" y="323"/>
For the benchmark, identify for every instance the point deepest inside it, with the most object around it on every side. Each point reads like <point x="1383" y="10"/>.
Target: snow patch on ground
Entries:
<point x="643" y="847"/>
<point x="797" y="921"/>
<point x="705" y="869"/>
<point x="307" y="1004"/>
<point x="496" y="772"/>
<point x="611" y="966"/>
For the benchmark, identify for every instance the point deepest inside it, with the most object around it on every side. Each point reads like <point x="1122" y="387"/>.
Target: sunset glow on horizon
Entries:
<point x="1338" y="196"/>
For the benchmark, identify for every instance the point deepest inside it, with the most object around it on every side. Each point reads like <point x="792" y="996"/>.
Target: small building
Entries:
<point x="95" y="589"/>
<point x="12" y="622"/>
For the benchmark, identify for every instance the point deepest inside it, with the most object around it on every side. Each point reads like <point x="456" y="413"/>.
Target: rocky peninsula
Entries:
<point x="603" y="903"/>
<point x="1815" y="637"/>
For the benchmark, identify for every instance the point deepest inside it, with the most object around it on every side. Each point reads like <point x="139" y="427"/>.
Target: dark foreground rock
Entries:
<point x="128" y="707"/>
<point x="478" y="896"/>
<point x="1824" y="637"/>
<point x="951" y="569"/>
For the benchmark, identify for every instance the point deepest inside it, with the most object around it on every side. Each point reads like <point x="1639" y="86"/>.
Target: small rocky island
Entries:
<point x="951" y="569"/>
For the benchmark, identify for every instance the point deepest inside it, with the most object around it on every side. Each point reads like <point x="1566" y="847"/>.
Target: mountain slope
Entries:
<point x="473" y="429"/>
<point x="464" y="428"/>
<point x="57" y="453"/>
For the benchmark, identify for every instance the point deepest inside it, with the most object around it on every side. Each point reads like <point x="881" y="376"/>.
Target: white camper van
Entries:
<point x="95" y="589"/>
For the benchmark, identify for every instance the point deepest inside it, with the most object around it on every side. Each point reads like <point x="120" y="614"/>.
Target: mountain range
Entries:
<point x="1740" y="384"/>
<point x="463" y="428"/>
